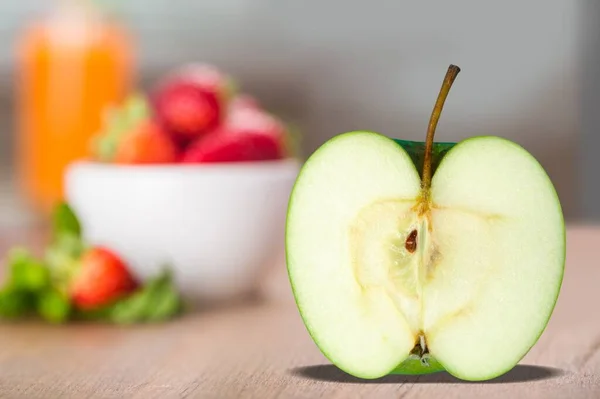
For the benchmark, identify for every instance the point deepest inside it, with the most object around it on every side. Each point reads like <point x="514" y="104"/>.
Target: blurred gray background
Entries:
<point x="589" y="143"/>
<point x="334" y="66"/>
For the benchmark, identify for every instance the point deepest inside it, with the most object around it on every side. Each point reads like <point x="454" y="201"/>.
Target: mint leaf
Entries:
<point x="14" y="303"/>
<point x="157" y="301"/>
<point x="130" y="310"/>
<point x="26" y="272"/>
<point x="53" y="305"/>
<point x="166" y="305"/>
<point x="62" y="258"/>
<point x="67" y="245"/>
<point x="31" y="285"/>
<point x="27" y="276"/>
<point x="65" y="222"/>
<point x="165" y="301"/>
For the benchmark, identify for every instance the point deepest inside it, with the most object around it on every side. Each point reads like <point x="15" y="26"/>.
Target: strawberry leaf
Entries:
<point x="118" y="121"/>
<point x="67" y="246"/>
<point x="230" y="90"/>
<point x="64" y="221"/>
<point x="166" y="301"/>
<point x="130" y="310"/>
<point x="14" y="303"/>
<point x="53" y="306"/>
<point x="156" y="301"/>
<point x="27" y="277"/>
<point x="27" y="273"/>
<point x="62" y="259"/>
<point x="293" y="141"/>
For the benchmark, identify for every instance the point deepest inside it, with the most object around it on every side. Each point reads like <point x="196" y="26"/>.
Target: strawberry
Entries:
<point x="249" y="119"/>
<point x="190" y="102"/>
<point x="248" y="134"/>
<point x="247" y="116"/>
<point x="118" y="121"/>
<point x="243" y="101"/>
<point x="208" y="77"/>
<point x="147" y="143"/>
<point x="102" y="278"/>
<point x="186" y="111"/>
<point x="230" y="145"/>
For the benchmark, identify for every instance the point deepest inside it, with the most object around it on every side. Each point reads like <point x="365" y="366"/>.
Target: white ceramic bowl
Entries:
<point x="217" y="225"/>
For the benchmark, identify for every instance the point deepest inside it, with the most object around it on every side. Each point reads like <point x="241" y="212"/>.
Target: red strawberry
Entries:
<point x="187" y="112"/>
<point x="191" y="101"/>
<point x="249" y="134"/>
<point x="208" y="77"/>
<point x="246" y="119"/>
<point x="228" y="145"/>
<point x="146" y="144"/>
<point x="102" y="279"/>
<point x="243" y="101"/>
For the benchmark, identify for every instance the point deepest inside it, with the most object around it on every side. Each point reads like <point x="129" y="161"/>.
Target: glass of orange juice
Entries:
<point x="71" y="66"/>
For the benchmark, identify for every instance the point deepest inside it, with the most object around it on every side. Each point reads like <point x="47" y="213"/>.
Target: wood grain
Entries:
<point x="261" y="350"/>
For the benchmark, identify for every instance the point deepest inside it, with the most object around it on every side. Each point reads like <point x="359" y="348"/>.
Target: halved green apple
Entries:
<point x="402" y="267"/>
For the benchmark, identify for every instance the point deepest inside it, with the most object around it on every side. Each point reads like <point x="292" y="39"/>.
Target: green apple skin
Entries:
<point x="413" y="365"/>
<point x="416" y="151"/>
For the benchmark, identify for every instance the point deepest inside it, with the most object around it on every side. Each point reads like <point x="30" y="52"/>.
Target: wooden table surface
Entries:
<point x="261" y="350"/>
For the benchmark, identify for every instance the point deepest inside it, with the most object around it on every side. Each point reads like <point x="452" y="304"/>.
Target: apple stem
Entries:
<point x="453" y="71"/>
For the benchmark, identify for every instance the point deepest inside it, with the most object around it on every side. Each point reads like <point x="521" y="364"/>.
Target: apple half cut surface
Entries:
<point x="397" y="267"/>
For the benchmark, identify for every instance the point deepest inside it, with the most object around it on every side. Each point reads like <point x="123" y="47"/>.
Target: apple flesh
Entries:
<point x="392" y="277"/>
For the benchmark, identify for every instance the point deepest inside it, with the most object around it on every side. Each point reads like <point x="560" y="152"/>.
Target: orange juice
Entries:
<point x="71" y="66"/>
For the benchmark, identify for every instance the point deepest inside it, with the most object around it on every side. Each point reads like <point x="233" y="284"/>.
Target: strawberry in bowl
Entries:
<point x="248" y="134"/>
<point x="194" y="176"/>
<point x="191" y="101"/>
<point x="193" y="116"/>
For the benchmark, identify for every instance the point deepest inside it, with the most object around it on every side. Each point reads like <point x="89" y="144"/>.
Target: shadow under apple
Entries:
<point x="330" y="373"/>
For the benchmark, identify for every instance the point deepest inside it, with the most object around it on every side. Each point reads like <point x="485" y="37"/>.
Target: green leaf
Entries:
<point x="230" y="90"/>
<point x="130" y="310"/>
<point x="53" y="306"/>
<point x="68" y="245"/>
<point x="137" y="109"/>
<point x="166" y="301"/>
<point x="98" y="314"/>
<point x="293" y="141"/>
<point x="118" y="121"/>
<point x="14" y="303"/>
<point x="26" y="272"/>
<point x="157" y="301"/>
<point x="62" y="258"/>
<point x="65" y="222"/>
